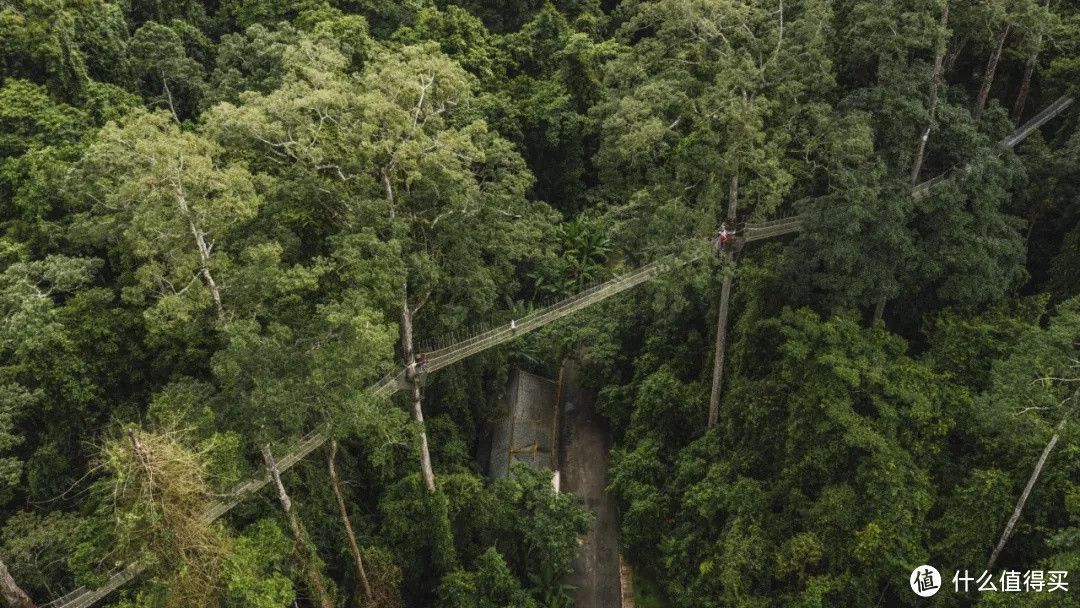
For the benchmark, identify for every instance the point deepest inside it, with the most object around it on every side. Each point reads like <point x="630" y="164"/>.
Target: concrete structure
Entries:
<point x="523" y="428"/>
<point x="584" y="447"/>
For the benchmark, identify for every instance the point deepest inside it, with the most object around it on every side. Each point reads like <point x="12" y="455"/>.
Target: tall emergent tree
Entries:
<point x="164" y="197"/>
<point x="693" y="127"/>
<point x="418" y="182"/>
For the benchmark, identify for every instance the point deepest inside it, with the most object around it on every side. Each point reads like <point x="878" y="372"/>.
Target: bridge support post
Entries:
<point x="721" y="342"/>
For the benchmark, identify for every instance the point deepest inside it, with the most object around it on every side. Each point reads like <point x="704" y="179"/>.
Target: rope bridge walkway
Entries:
<point x="441" y="358"/>
<point x="770" y="229"/>
<point x="1018" y="135"/>
<point x="457" y="350"/>
<point x="1037" y="121"/>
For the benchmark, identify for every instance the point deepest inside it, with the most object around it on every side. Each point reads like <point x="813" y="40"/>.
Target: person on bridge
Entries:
<point x="421" y="362"/>
<point x="724" y="236"/>
<point x="513" y="327"/>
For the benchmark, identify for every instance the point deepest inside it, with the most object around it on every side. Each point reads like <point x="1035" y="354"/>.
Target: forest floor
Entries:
<point x="584" y="443"/>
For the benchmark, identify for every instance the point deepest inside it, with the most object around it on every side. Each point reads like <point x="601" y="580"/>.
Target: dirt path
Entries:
<point x="584" y="444"/>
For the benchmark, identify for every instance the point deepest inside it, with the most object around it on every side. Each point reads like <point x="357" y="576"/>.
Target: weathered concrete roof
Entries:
<point x="524" y="426"/>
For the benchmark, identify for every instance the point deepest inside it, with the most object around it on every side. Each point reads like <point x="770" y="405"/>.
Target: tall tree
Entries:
<point x="13" y="595"/>
<point x="850" y="452"/>
<point x="48" y="372"/>
<point x="165" y="197"/>
<point x="1033" y="41"/>
<point x="158" y="490"/>
<point x="300" y="544"/>
<point x="64" y="45"/>
<point x="886" y="42"/>
<point x="401" y="155"/>
<point x="935" y="82"/>
<point x="170" y="77"/>
<point x="991" y="68"/>
<point x="39" y="138"/>
<point x="1036" y="385"/>
<point x="692" y="130"/>
<point x="368" y="594"/>
<point x="1023" y="17"/>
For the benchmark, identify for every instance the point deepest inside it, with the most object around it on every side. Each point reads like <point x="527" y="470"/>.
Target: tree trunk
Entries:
<point x="879" y="309"/>
<point x="733" y="197"/>
<point x="935" y="81"/>
<point x="955" y="54"/>
<point x="1024" y="496"/>
<point x="12" y="594"/>
<point x="988" y="77"/>
<point x="1029" y="71"/>
<point x="1025" y="86"/>
<point x="215" y="292"/>
<point x="348" y="526"/>
<point x="721" y="345"/>
<point x="200" y="240"/>
<point x="725" y="296"/>
<point x="204" y="261"/>
<point x="388" y="190"/>
<point x="413" y="375"/>
<point x="319" y="591"/>
<point x="1031" y="228"/>
<point x="168" y="96"/>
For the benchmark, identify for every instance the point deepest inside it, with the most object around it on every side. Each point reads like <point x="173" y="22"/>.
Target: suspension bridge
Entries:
<point x="1009" y="141"/>
<point x="461" y="348"/>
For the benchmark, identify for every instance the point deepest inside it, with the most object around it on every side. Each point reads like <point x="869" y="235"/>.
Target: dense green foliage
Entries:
<point x="213" y="214"/>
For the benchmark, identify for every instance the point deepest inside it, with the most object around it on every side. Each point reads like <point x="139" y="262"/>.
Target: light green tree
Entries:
<point x="164" y="196"/>
<point x="409" y="171"/>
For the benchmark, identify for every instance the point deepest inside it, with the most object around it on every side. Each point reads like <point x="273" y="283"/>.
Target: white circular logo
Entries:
<point x="925" y="581"/>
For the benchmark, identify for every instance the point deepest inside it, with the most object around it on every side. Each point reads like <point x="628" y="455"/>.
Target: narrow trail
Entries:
<point x="438" y="359"/>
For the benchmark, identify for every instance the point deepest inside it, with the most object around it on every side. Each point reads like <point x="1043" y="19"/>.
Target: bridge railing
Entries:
<point x="538" y="318"/>
<point x="764" y="230"/>
<point x="1037" y="121"/>
<point x="1012" y="139"/>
